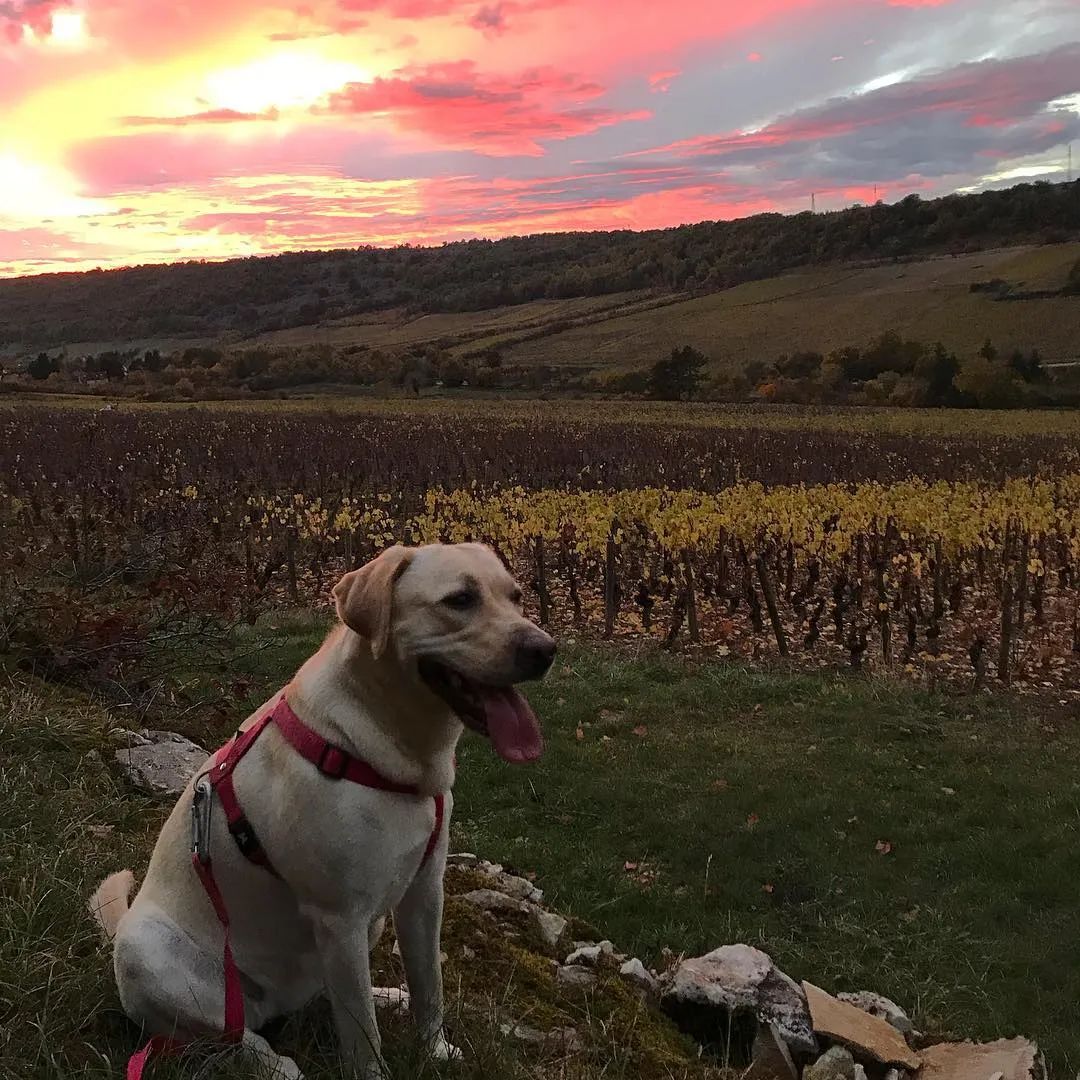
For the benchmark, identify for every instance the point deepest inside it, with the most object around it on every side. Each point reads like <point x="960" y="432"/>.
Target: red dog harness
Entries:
<point x="335" y="764"/>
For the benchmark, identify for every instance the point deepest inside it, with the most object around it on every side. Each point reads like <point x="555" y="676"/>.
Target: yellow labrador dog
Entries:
<point x="430" y="638"/>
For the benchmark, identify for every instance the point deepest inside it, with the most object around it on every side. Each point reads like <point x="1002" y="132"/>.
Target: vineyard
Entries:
<point x="946" y="558"/>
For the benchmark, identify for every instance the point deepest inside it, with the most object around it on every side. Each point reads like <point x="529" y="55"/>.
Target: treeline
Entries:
<point x="890" y="370"/>
<point x="200" y="372"/>
<point x="249" y="296"/>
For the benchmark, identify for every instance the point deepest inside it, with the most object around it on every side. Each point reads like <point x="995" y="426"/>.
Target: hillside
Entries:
<point x="244" y="298"/>
<point x="826" y="309"/>
<point x="820" y="309"/>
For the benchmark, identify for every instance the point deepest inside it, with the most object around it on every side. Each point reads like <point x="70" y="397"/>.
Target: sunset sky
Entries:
<point x="154" y="130"/>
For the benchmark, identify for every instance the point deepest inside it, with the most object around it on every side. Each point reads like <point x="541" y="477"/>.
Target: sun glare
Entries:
<point x="68" y="28"/>
<point x="33" y="191"/>
<point x="284" y="80"/>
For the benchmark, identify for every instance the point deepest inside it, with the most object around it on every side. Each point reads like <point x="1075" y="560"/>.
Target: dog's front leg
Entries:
<point x="343" y="944"/>
<point x="418" y="925"/>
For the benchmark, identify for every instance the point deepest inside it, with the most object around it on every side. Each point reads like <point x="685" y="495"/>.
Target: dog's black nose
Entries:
<point x="534" y="656"/>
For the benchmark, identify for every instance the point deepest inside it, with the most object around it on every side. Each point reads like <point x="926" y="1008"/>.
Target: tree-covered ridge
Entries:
<point x="260" y="294"/>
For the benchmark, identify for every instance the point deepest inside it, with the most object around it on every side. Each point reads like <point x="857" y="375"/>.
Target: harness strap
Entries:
<point x="335" y="764"/>
<point x="221" y="780"/>
<point x="234" y="992"/>
<point x="158" y="1046"/>
<point x="433" y="841"/>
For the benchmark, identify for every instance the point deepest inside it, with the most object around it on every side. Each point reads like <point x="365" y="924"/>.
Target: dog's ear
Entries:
<point x="365" y="597"/>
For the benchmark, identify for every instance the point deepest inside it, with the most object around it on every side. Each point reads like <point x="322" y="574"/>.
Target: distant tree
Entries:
<point x="992" y="384"/>
<point x="42" y="366"/>
<point x="679" y="376"/>
<point x="453" y="373"/>
<point x="1029" y="368"/>
<point x="153" y="361"/>
<point x="755" y="372"/>
<point x="938" y="369"/>
<point x="111" y="365"/>
<point x="800" y="365"/>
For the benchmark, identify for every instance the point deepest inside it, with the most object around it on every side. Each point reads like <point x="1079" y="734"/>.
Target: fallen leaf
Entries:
<point x="580" y="733"/>
<point x="752" y="820"/>
<point x="720" y="785"/>
<point x="883" y="847"/>
<point x="948" y="791"/>
<point x="630" y="866"/>
<point x="767" y="887"/>
<point x="641" y="731"/>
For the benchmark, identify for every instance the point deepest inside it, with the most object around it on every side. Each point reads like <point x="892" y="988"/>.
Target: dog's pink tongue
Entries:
<point x="512" y="725"/>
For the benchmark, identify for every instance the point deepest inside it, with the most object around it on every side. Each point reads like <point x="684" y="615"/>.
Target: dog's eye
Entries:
<point x="461" y="600"/>
<point x="516" y="597"/>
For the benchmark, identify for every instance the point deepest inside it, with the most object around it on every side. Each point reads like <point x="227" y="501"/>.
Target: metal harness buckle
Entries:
<point x="201" y="804"/>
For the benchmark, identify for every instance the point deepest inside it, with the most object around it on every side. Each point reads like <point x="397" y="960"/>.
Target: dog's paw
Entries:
<point x="444" y="1050"/>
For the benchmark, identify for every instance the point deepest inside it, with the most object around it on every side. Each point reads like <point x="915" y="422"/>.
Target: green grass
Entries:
<point x="732" y="782"/>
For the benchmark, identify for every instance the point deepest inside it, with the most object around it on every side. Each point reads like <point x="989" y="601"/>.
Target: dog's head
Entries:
<point x="452" y="613"/>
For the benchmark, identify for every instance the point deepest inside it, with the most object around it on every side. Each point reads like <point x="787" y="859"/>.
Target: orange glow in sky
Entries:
<point x="136" y="132"/>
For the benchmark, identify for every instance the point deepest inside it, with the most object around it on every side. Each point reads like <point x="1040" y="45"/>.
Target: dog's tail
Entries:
<point x="111" y="900"/>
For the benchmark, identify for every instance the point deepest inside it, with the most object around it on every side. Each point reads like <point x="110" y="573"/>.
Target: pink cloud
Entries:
<point x="181" y="156"/>
<point x="754" y="57"/>
<point x="661" y="81"/>
<point x="457" y="106"/>
<point x="210" y="116"/>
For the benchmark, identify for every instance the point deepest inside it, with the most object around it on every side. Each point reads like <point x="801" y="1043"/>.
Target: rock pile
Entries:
<point x="743" y="1009"/>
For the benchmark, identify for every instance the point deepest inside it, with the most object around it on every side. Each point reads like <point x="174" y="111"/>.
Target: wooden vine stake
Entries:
<point x="769" y="592"/>
<point x="290" y="562"/>
<point x="1006" y="610"/>
<point x="541" y="582"/>
<point x="611" y="589"/>
<point x="691" y="598"/>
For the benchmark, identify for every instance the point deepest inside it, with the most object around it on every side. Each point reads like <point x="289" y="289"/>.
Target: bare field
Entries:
<point x="393" y="328"/>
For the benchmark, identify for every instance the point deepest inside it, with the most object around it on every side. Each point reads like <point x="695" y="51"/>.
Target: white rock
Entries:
<point x="636" y="972"/>
<point x="462" y="858"/>
<point x="734" y="981"/>
<point x="881" y="1007"/>
<point x="490" y="900"/>
<point x="860" y="1072"/>
<point x="518" y="887"/>
<point x="590" y="954"/>
<point x="835" y="1064"/>
<point x="160" y="761"/>
<point x="552" y="927"/>
<point x="391" y="997"/>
